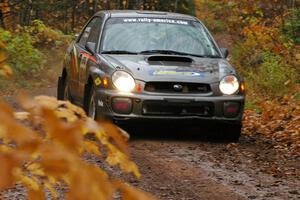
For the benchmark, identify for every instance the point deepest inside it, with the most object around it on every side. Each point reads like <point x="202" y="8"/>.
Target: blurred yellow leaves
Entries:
<point x="8" y="163"/>
<point x="42" y="147"/>
<point x="130" y="193"/>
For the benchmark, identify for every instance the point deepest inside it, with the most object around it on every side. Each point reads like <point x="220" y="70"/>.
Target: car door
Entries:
<point x="86" y="57"/>
<point x="76" y="55"/>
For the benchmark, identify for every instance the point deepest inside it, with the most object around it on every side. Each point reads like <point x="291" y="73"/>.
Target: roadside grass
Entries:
<point x="34" y="54"/>
<point x="44" y="77"/>
<point x="297" y="96"/>
<point x="251" y="105"/>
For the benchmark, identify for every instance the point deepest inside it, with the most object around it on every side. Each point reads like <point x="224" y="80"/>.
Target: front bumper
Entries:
<point x="170" y="107"/>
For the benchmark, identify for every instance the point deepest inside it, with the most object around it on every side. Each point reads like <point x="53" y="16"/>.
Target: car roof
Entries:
<point x="145" y="13"/>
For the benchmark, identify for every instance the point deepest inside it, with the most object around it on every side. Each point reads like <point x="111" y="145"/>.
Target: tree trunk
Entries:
<point x="107" y="5"/>
<point x="73" y="15"/>
<point x="95" y="6"/>
<point x="5" y="14"/>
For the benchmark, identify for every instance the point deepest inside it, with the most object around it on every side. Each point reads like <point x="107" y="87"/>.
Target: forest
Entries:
<point x="67" y="15"/>
<point x="263" y="35"/>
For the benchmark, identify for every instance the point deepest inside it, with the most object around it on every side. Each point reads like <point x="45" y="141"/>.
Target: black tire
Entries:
<point x="60" y="88"/>
<point x="232" y="132"/>
<point x="63" y="91"/>
<point x="90" y="104"/>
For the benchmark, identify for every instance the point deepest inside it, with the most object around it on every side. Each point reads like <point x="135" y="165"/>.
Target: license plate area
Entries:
<point x="169" y="108"/>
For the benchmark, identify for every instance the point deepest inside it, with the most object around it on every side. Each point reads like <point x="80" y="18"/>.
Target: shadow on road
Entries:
<point x="206" y="131"/>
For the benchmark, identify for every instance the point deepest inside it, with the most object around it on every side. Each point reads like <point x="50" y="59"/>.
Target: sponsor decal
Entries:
<point x="100" y="103"/>
<point x="177" y="73"/>
<point x="89" y="57"/>
<point x="155" y="20"/>
<point x="74" y="62"/>
<point x="97" y="81"/>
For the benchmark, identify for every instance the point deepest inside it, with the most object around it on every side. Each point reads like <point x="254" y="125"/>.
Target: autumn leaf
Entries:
<point x="130" y="193"/>
<point x="5" y="70"/>
<point x="3" y="56"/>
<point x="25" y="138"/>
<point x="56" y="162"/>
<point x="8" y="162"/>
<point x="36" y="194"/>
<point x="92" y="148"/>
<point x="52" y="190"/>
<point x="21" y="115"/>
<point x="51" y="155"/>
<point x="5" y="109"/>
<point x="118" y="135"/>
<point x="90" y="183"/>
<point x="278" y="121"/>
<point x="117" y="158"/>
<point x="35" y="169"/>
<point x="29" y="182"/>
<point x="67" y="134"/>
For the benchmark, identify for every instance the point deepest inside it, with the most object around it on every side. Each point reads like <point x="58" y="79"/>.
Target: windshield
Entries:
<point x="146" y="35"/>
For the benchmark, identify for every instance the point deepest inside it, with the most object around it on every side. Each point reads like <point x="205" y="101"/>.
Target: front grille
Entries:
<point x="165" y="108"/>
<point x="175" y="87"/>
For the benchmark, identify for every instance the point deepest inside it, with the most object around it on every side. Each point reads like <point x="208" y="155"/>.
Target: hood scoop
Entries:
<point x="153" y="60"/>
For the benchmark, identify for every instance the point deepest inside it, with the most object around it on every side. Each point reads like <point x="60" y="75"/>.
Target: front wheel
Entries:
<point x="90" y="104"/>
<point x="232" y="132"/>
<point x="63" y="91"/>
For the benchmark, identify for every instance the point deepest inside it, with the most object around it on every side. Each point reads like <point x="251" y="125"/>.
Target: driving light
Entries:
<point x="123" y="81"/>
<point x="229" y="85"/>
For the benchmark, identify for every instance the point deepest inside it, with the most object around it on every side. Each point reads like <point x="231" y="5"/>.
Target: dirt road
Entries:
<point x="180" y="162"/>
<point x="184" y="165"/>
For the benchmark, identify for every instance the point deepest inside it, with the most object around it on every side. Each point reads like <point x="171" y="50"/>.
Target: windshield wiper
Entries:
<point x="119" y="52"/>
<point x="172" y="52"/>
<point x="209" y="56"/>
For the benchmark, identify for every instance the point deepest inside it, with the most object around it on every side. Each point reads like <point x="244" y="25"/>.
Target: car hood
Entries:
<point x="205" y="70"/>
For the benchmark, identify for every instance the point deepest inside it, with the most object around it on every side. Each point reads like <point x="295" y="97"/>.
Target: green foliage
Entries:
<point x="292" y="26"/>
<point x="3" y="84"/>
<point x="246" y="57"/>
<point x="273" y="76"/>
<point x="265" y="40"/>
<point x="25" y="44"/>
<point x="22" y="56"/>
<point x="181" y="6"/>
<point x="43" y="36"/>
<point x="210" y="13"/>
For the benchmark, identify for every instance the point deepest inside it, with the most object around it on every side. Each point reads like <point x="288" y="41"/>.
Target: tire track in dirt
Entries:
<point x="170" y="178"/>
<point x="227" y="169"/>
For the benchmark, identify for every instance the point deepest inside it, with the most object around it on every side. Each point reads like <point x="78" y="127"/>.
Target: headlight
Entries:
<point x="229" y="85"/>
<point x="123" y="81"/>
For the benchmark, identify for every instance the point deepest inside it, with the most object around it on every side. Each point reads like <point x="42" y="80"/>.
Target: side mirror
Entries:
<point x="90" y="47"/>
<point x="225" y="52"/>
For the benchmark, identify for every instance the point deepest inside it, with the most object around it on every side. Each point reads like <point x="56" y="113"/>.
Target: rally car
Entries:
<point x="146" y="65"/>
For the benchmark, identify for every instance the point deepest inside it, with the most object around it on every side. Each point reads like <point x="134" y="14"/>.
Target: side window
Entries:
<point x="86" y="32"/>
<point x="94" y="33"/>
